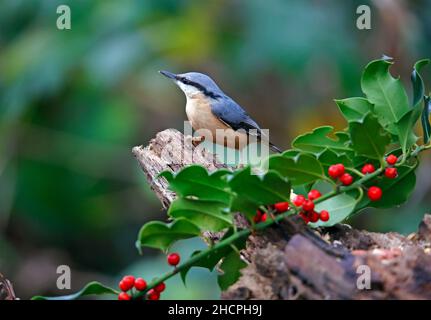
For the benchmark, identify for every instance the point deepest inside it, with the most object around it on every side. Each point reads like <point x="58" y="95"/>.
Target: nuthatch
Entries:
<point x="209" y="108"/>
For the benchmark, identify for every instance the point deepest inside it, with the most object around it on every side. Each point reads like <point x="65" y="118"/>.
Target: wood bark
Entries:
<point x="6" y="289"/>
<point x="292" y="261"/>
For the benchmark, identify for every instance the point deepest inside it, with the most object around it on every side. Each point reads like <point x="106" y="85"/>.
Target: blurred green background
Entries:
<point x="73" y="103"/>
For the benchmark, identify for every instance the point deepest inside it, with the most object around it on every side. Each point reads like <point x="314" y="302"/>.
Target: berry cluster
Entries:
<point x="279" y="207"/>
<point x="337" y="171"/>
<point x="391" y="172"/>
<point x="259" y="217"/>
<point x="129" y="284"/>
<point x="306" y="204"/>
<point x="308" y="213"/>
<point x="374" y="193"/>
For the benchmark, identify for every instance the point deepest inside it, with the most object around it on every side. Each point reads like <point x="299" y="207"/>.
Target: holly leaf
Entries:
<point x="207" y="215"/>
<point x="406" y="124"/>
<point x="291" y="153"/>
<point x="405" y="127"/>
<point x="359" y="161"/>
<point x="159" y="235"/>
<point x="210" y="260"/>
<point x="318" y="141"/>
<point x="92" y="288"/>
<point x="329" y="157"/>
<point x="418" y="95"/>
<point x="354" y="109"/>
<point x="368" y="137"/>
<point x="417" y="81"/>
<point x="425" y="119"/>
<point x="231" y="266"/>
<point x="300" y="169"/>
<point x="195" y="181"/>
<point x="339" y="208"/>
<point x="385" y="92"/>
<point x="252" y="191"/>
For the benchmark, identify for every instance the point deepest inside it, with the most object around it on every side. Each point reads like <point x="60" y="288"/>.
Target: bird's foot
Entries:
<point x="198" y="140"/>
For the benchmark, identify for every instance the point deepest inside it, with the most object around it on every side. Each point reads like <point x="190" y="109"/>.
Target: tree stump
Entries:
<point x="292" y="261"/>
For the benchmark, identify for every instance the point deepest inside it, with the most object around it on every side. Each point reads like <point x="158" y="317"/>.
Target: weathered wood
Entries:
<point x="6" y="289"/>
<point x="170" y="150"/>
<point x="400" y="267"/>
<point x="291" y="261"/>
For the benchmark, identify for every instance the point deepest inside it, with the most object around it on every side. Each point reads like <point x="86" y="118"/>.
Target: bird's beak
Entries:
<point x="169" y="75"/>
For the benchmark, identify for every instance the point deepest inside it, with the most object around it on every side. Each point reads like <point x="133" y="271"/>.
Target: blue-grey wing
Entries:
<point x="233" y="115"/>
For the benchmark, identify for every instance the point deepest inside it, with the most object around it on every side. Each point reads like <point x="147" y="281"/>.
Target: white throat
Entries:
<point x="188" y="90"/>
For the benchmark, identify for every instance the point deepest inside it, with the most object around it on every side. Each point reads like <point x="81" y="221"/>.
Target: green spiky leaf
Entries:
<point x="159" y="235"/>
<point x="417" y="81"/>
<point x="318" y="141"/>
<point x="210" y="260"/>
<point x="369" y="139"/>
<point x="405" y="127"/>
<point x="252" y="191"/>
<point x="339" y="208"/>
<point x="231" y="268"/>
<point x="300" y="169"/>
<point x="425" y="119"/>
<point x="328" y="158"/>
<point x="385" y="92"/>
<point x="354" y="109"/>
<point x="195" y="181"/>
<point x="92" y="288"/>
<point x="207" y="215"/>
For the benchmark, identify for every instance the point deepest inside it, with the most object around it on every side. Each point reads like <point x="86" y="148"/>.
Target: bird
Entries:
<point x="208" y="107"/>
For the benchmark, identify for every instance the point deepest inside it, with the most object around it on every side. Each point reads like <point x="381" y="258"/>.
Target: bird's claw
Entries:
<point x="198" y="140"/>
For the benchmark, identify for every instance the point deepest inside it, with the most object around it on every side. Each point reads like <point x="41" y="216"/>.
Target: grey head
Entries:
<point x="194" y="82"/>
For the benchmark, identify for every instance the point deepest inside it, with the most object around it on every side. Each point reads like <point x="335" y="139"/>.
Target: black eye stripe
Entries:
<point x="200" y="87"/>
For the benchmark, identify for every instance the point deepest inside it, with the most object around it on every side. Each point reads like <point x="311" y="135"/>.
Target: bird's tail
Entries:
<point x="274" y="148"/>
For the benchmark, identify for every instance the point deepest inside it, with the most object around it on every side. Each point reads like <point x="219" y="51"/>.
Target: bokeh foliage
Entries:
<point x="73" y="104"/>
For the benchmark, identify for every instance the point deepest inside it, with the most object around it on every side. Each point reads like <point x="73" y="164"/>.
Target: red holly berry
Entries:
<point x="391" y="159"/>
<point x="264" y="217"/>
<point x="299" y="200"/>
<point x="124" y="296"/>
<point x="346" y="179"/>
<point x="127" y="283"/>
<point x="314" y="194"/>
<point x="173" y="259"/>
<point x="340" y="167"/>
<point x="368" y="168"/>
<point x="153" y="294"/>
<point x="313" y="216"/>
<point x="391" y="173"/>
<point x="281" y="206"/>
<point x="374" y="193"/>
<point x="333" y="172"/>
<point x="124" y="286"/>
<point x="140" y="284"/>
<point x="336" y="170"/>
<point x="160" y="287"/>
<point x="324" y="215"/>
<point x="258" y="216"/>
<point x="308" y="205"/>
